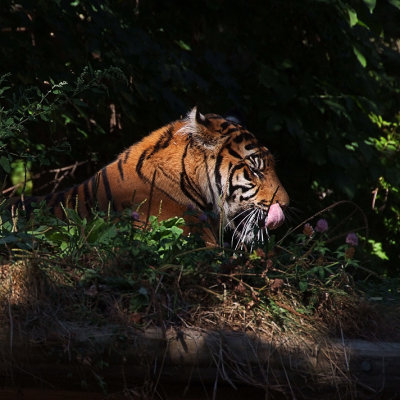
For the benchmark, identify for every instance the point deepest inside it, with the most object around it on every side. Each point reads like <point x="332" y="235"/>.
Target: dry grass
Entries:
<point x="44" y="302"/>
<point x="215" y="301"/>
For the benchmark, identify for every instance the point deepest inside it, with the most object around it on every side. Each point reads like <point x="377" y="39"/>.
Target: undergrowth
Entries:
<point x="114" y="269"/>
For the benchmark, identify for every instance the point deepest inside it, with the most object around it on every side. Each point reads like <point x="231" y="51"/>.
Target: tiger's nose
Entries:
<point x="282" y="197"/>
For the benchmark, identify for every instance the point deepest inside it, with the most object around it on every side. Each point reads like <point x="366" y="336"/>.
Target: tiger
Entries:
<point x="206" y="163"/>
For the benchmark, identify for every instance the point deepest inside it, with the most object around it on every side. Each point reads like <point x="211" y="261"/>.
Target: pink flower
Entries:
<point x="321" y="226"/>
<point x="352" y="239"/>
<point x="135" y="216"/>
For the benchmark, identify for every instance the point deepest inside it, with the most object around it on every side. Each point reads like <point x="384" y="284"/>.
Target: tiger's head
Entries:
<point x="236" y="176"/>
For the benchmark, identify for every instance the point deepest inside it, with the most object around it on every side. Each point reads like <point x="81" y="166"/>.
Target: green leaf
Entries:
<point x="72" y="216"/>
<point x="9" y="239"/>
<point x="4" y="89"/>
<point x="9" y="122"/>
<point x="353" y="19"/>
<point x="5" y="164"/>
<point x="378" y="250"/>
<point x="183" y="45"/>
<point x="303" y="285"/>
<point x="395" y="3"/>
<point x="360" y="57"/>
<point x="370" y="4"/>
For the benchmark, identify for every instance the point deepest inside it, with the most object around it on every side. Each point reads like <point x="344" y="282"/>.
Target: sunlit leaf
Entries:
<point x="370" y="4"/>
<point x="183" y="45"/>
<point x="377" y="249"/>
<point x="360" y="57"/>
<point x="395" y="3"/>
<point x="353" y="19"/>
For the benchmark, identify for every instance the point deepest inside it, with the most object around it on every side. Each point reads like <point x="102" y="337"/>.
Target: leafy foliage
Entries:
<point x="18" y="150"/>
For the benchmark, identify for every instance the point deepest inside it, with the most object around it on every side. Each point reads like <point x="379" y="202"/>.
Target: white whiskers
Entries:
<point x="248" y="230"/>
<point x="236" y="216"/>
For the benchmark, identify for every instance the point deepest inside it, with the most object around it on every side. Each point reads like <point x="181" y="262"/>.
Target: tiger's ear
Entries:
<point x="196" y="120"/>
<point x="194" y="123"/>
<point x="200" y="118"/>
<point x="199" y="127"/>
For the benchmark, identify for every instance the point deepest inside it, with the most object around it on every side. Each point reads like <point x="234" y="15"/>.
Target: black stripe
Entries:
<point x="168" y="136"/>
<point x="243" y="188"/>
<point x="251" y="146"/>
<point x="234" y="169"/>
<point x="234" y="154"/>
<point x="106" y="184"/>
<point x="121" y="171"/>
<point x="201" y="203"/>
<point x="251" y="195"/>
<point x="194" y="188"/>
<point x="186" y="184"/>
<point x="127" y="152"/>
<point x="163" y="142"/>
<point x="210" y="186"/>
<point x="218" y="173"/>
<point x="139" y="165"/>
<point x="243" y="136"/>
<point x="225" y="124"/>
<point x="230" y="131"/>
<point x="232" y="187"/>
<point x="94" y="180"/>
<point x="88" y="198"/>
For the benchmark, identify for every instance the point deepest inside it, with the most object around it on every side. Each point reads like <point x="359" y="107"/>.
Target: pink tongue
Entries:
<point x="275" y="216"/>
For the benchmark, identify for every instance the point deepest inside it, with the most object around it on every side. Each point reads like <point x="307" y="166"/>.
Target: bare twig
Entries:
<point x="67" y="171"/>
